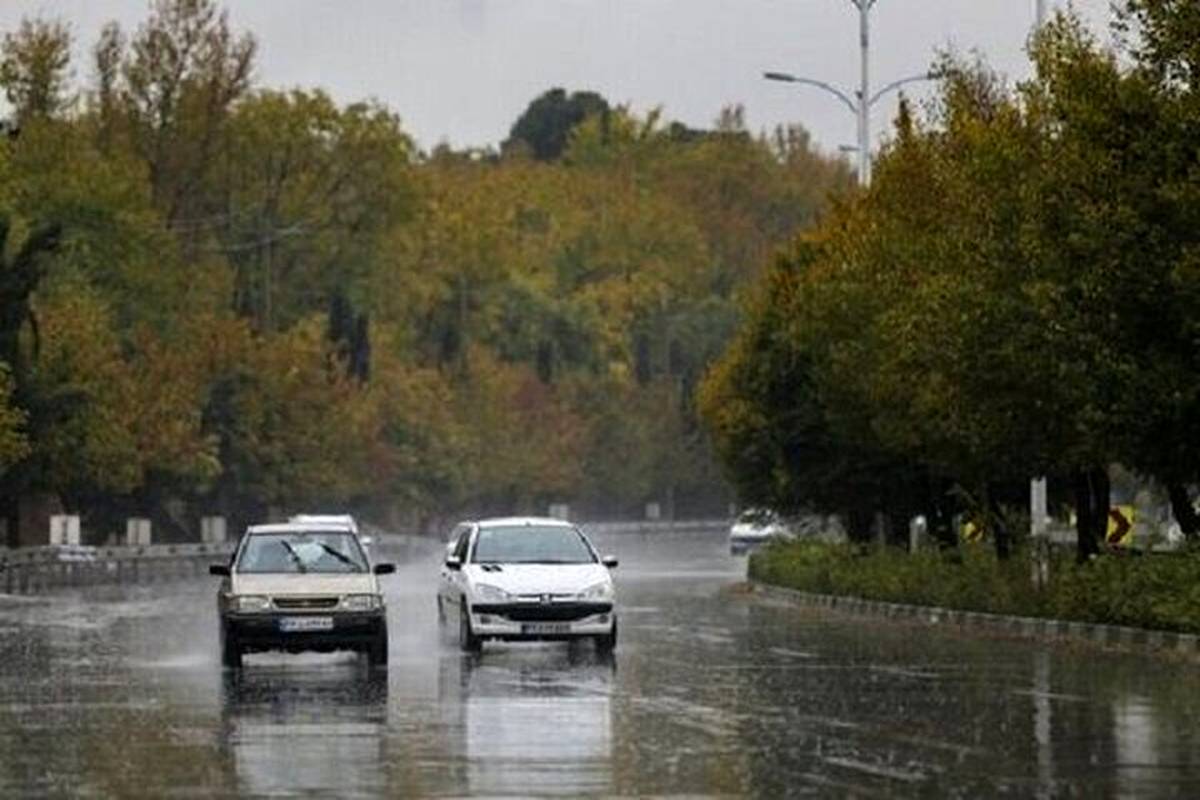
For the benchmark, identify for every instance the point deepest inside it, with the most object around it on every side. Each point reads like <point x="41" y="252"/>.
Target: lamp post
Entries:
<point x="862" y="102"/>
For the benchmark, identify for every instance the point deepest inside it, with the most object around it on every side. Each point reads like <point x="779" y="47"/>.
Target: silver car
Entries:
<point x="301" y="586"/>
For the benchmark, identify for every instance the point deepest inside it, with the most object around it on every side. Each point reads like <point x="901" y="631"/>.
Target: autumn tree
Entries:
<point x="35" y="69"/>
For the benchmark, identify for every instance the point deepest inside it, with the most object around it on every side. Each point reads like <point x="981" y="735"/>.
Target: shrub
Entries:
<point x="1156" y="591"/>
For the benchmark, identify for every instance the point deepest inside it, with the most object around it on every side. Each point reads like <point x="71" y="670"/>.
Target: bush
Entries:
<point x="1160" y="592"/>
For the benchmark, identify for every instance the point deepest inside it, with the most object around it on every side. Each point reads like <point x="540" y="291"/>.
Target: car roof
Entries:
<point x="509" y="522"/>
<point x="296" y="527"/>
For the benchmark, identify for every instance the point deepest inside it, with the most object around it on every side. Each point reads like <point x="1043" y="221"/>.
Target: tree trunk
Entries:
<point x="1184" y="511"/>
<point x="999" y="530"/>
<point x="1091" y="511"/>
<point x="10" y="513"/>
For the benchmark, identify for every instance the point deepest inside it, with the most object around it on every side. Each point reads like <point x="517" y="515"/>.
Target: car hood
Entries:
<point x="539" y="578"/>
<point x="277" y="585"/>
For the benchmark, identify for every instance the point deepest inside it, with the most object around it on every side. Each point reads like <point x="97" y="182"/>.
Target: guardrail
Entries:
<point x="36" y="569"/>
<point x="652" y="527"/>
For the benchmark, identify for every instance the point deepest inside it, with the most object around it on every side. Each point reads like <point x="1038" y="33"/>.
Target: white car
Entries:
<point x="526" y="578"/>
<point x="753" y="528"/>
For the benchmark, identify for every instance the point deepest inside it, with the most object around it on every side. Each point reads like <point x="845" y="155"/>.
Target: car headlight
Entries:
<point x="485" y="591"/>
<point x="598" y="591"/>
<point x="361" y="602"/>
<point x="251" y="602"/>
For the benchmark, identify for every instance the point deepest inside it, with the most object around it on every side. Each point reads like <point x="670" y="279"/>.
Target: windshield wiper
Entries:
<point x="295" y="556"/>
<point x="339" y="555"/>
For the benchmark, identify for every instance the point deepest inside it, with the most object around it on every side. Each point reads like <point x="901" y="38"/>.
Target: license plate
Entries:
<point x="542" y="628"/>
<point x="293" y="624"/>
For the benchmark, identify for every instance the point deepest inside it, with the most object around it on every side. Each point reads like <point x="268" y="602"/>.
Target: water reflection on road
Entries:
<point x="117" y="692"/>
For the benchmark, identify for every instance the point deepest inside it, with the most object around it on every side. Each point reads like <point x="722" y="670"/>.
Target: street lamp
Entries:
<point x="860" y="105"/>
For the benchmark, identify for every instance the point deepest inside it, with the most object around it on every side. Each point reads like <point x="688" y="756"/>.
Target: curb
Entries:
<point x="1054" y="630"/>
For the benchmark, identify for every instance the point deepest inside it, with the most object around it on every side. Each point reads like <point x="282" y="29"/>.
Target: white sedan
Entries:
<point x="753" y="528"/>
<point x="526" y="578"/>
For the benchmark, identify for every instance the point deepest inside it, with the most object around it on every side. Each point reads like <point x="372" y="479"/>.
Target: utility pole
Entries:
<point x="1037" y="486"/>
<point x="863" y="101"/>
<point x="864" y="91"/>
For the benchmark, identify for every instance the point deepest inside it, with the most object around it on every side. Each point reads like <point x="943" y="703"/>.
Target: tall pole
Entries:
<point x="864" y="93"/>
<point x="1037" y="486"/>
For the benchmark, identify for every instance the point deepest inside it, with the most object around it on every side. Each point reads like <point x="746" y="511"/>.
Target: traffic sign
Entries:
<point x="972" y="531"/>
<point x="1120" y="526"/>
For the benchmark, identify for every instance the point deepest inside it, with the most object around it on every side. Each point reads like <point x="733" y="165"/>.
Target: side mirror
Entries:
<point x="384" y="568"/>
<point x="218" y="569"/>
<point x="365" y="541"/>
<point x="453" y="563"/>
<point x="610" y="562"/>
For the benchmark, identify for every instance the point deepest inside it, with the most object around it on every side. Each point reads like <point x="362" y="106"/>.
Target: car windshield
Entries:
<point x="531" y="544"/>
<point x="302" y="552"/>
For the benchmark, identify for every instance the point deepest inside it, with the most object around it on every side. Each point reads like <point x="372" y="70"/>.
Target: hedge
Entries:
<point x="1154" y="591"/>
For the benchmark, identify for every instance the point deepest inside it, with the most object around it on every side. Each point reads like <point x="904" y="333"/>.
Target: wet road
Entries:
<point x="117" y="692"/>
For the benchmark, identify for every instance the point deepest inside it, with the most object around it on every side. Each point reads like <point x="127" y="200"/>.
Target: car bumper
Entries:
<point x="350" y="631"/>
<point x="516" y="621"/>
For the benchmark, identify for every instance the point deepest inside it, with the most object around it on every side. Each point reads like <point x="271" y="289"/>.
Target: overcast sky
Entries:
<point x="462" y="70"/>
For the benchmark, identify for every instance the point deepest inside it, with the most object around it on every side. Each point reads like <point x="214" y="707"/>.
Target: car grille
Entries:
<point x="305" y="603"/>
<point x="542" y="612"/>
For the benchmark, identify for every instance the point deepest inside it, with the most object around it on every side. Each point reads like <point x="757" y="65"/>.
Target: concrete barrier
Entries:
<point x="1039" y="628"/>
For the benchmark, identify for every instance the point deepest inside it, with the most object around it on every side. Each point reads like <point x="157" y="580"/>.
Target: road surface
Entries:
<point x="117" y="692"/>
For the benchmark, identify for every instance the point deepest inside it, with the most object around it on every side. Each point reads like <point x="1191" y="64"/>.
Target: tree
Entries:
<point x="546" y="124"/>
<point x="34" y="69"/>
<point x="13" y="443"/>
<point x="170" y="99"/>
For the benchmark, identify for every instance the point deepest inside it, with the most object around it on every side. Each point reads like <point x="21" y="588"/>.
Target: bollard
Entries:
<point x="137" y="532"/>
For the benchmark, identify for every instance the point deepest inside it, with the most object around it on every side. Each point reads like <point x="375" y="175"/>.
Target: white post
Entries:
<point x="64" y="530"/>
<point x="212" y="530"/>
<point x="864" y="93"/>
<point x="1038" y="531"/>
<point x="137" y="532"/>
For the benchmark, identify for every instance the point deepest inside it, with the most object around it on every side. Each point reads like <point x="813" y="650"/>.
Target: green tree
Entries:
<point x="35" y="69"/>
<point x="545" y="126"/>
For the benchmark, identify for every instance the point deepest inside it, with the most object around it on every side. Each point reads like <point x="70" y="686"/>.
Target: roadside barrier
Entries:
<point x="31" y="570"/>
<point x="35" y="569"/>
<point x="651" y="527"/>
<point x="1038" y="628"/>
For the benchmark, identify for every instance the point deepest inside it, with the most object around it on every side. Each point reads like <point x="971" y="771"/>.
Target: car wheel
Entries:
<point x="231" y="652"/>
<point x="377" y="653"/>
<point x="606" y="643"/>
<point x="467" y="640"/>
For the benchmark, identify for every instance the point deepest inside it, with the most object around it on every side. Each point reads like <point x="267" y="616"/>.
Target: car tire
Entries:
<point x="231" y="652"/>
<point x="606" y="643"/>
<point x="377" y="653"/>
<point x="467" y="640"/>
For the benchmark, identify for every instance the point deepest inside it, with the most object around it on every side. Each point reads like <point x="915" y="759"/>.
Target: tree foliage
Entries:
<point x="221" y="297"/>
<point x="1010" y="298"/>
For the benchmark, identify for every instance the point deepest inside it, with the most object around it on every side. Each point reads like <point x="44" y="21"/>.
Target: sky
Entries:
<point x="461" y="71"/>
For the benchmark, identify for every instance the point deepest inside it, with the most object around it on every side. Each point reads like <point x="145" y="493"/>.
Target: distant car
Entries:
<point x="527" y="578"/>
<point x="301" y="586"/>
<point x="341" y="520"/>
<point x="753" y="528"/>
